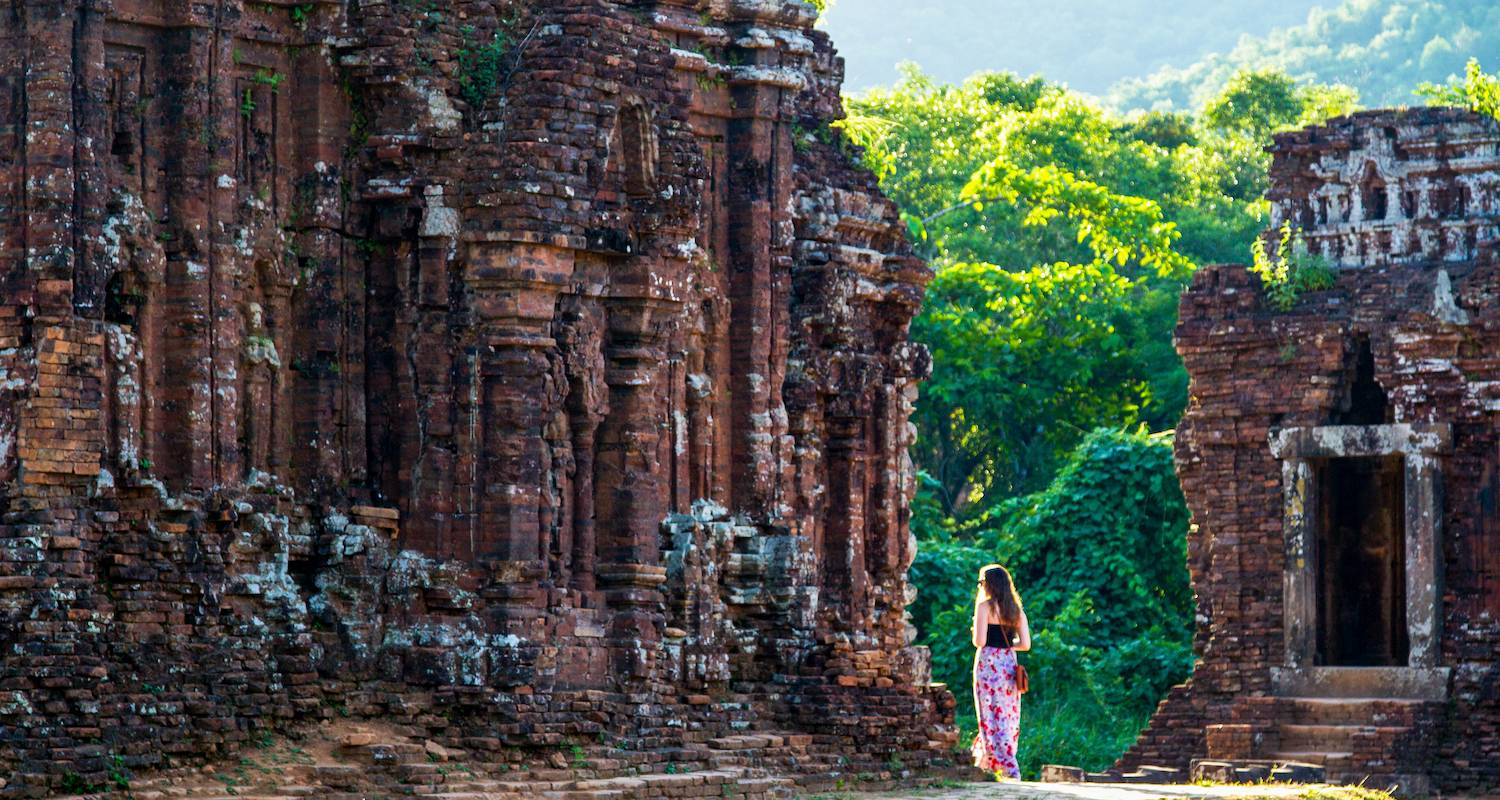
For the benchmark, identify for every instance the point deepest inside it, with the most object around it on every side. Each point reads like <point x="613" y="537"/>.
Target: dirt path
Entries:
<point x="1020" y="790"/>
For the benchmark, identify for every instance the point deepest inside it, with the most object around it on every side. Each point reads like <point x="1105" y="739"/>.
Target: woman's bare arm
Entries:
<point x="981" y="612"/>
<point x="1024" y="634"/>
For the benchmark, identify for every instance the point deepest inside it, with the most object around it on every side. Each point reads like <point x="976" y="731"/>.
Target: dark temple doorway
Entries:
<point x="1361" y="555"/>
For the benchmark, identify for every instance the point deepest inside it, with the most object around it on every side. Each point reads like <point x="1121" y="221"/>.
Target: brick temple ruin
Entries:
<point x="1342" y="463"/>
<point x="533" y="376"/>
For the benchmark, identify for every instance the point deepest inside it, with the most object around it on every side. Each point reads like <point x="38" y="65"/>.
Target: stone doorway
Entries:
<point x="1360" y="551"/>
<point x="1362" y="588"/>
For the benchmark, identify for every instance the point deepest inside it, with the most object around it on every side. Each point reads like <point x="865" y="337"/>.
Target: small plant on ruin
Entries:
<point x="802" y="138"/>
<point x="247" y="105"/>
<point x="269" y="78"/>
<point x="300" y="15"/>
<point x="73" y="783"/>
<point x="708" y="82"/>
<point x="119" y="774"/>
<point x="1291" y="270"/>
<point x="480" y="68"/>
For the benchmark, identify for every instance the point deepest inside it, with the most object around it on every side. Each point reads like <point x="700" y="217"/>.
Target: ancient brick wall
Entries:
<point x="1402" y="204"/>
<point x="533" y="374"/>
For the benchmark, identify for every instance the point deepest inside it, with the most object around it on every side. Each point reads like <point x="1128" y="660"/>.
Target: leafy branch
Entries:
<point x="1117" y="228"/>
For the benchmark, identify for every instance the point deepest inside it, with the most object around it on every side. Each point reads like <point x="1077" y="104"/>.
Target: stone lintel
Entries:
<point x="1349" y="441"/>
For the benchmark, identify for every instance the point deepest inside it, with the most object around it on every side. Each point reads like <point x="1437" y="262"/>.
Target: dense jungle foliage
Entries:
<point x="1062" y="235"/>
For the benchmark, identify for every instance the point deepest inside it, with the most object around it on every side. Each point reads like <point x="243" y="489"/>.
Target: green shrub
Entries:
<point x="1292" y="270"/>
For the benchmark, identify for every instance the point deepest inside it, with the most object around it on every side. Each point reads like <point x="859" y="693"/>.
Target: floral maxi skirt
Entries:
<point x="998" y="705"/>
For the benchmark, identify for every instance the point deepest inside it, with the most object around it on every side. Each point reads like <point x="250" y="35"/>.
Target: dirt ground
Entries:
<point x="1021" y="790"/>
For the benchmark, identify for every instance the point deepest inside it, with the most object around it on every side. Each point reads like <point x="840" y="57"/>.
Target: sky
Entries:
<point x="1087" y="44"/>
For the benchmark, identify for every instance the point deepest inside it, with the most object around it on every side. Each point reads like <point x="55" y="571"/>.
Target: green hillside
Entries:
<point x="1086" y="44"/>
<point x="1383" y="48"/>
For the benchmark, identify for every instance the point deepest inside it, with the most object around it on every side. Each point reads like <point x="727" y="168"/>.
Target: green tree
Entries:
<point x="1258" y="103"/>
<point x="1255" y="103"/>
<point x="1479" y="91"/>
<point x="1062" y="235"/>
<point x="1023" y="364"/>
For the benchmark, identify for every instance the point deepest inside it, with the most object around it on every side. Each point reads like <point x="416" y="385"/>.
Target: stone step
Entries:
<point x="1330" y="760"/>
<point x="1318" y="738"/>
<point x="470" y="796"/>
<point x="359" y="766"/>
<point x="1284" y="770"/>
<point x="1351" y="710"/>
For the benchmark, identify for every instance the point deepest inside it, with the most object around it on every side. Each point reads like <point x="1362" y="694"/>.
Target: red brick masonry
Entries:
<point x="531" y="391"/>
<point x="1404" y="205"/>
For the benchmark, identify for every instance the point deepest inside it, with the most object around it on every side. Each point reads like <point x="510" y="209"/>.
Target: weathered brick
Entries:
<point x="337" y="387"/>
<point x="1401" y="204"/>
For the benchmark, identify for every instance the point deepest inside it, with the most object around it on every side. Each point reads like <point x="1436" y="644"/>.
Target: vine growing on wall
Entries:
<point x="1291" y="270"/>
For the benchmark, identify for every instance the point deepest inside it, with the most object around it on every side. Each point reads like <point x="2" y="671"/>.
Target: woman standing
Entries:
<point x="1000" y="630"/>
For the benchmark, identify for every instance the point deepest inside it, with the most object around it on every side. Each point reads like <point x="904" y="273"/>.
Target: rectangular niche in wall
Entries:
<point x="1360" y="555"/>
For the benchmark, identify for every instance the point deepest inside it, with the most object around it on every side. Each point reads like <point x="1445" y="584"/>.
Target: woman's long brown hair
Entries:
<point x="1001" y="592"/>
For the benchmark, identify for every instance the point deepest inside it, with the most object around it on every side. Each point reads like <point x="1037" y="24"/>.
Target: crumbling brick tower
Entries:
<point x="533" y="373"/>
<point x="1342" y="463"/>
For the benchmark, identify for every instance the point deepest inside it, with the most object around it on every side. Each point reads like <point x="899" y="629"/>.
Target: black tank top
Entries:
<point x="996" y="636"/>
